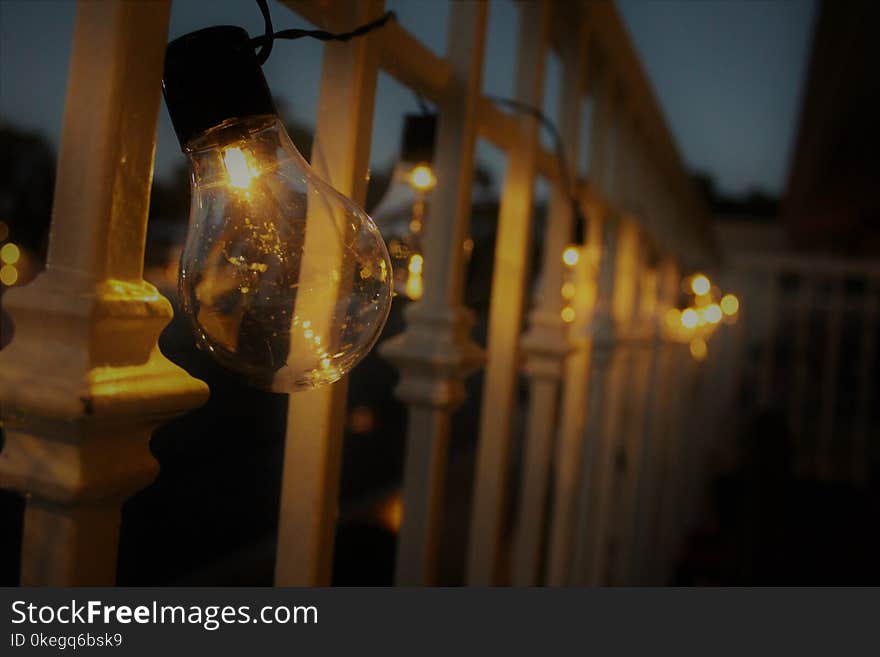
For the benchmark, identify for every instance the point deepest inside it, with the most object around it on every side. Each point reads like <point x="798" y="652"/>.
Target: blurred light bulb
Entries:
<point x="10" y="253"/>
<point x="8" y="275"/>
<point x="415" y="264"/>
<point x="713" y="313"/>
<point x="285" y="280"/>
<point x="422" y="178"/>
<point x="570" y="256"/>
<point x="699" y="350"/>
<point x="729" y="304"/>
<point x="689" y="318"/>
<point x="567" y="314"/>
<point x="700" y="285"/>
<point x="568" y="290"/>
<point x="402" y="212"/>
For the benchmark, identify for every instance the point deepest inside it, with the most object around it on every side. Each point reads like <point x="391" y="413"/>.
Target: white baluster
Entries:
<point x="435" y="352"/>
<point x="506" y="308"/>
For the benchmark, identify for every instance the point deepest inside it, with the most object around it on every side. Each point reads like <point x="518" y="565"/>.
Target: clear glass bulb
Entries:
<point x="401" y="214"/>
<point x="285" y="280"/>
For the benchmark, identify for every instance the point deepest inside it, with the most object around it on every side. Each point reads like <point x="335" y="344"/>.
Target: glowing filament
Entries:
<point x="415" y="264"/>
<point x="422" y="178"/>
<point x="239" y="170"/>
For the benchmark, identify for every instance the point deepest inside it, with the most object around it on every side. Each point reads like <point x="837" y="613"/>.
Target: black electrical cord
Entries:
<point x="579" y="225"/>
<point x="265" y="41"/>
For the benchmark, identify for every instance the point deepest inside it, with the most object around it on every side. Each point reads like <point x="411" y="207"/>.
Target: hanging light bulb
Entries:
<point x="402" y="211"/>
<point x="285" y="280"/>
<point x="571" y="255"/>
<point x="700" y="284"/>
<point x="729" y="304"/>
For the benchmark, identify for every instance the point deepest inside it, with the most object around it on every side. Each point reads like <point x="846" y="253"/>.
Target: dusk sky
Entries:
<point x="728" y="75"/>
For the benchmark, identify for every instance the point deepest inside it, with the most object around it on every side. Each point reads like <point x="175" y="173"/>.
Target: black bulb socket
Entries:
<point x="212" y="76"/>
<point x="419" y="131"/>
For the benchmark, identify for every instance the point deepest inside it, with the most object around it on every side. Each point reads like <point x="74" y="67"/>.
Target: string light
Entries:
<point x="10" y="253"/>
<point x="700" y="285"/>
<point x="285" y="281"/>
<point x="690" y="318"/>
<point x="422" y="178"/>
<point x="8" y="275"/>
<point x="402" y="212"/>
<point x="570" y="256"/>
<point x="729" y="304"/>
<point x="699" y="349"/>
<point x="567" y="314"/>
<point x="713" y="313"/>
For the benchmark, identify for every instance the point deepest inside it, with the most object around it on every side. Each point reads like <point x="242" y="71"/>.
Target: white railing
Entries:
<point x="603" y="390"/>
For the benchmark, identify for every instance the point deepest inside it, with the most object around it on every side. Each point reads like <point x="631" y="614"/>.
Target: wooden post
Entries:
<point x="315" y="418"/>
<point x="435" y="352"/>
<point x="660" y="396"/>
<point x="570" y="446"/>
<point x="644" y="374"/>
<point x="546" y="343"/>
<point x="506" y="309"/>
<point x="83" y="383"/>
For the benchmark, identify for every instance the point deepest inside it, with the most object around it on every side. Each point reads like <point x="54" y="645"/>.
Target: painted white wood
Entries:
<point x="546" y="346"/>
<point x="506" y="307"/>
<point x="83" y="383"/>
<point x="435" y="352"/>
<point x="315" y="418"/>
<point x="570" y="446"/>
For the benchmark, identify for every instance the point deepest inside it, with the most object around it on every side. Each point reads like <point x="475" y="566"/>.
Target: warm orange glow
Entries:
<point x="8" y="275"/>
<point x="568" y="290"/>
<point x="729" y="304"/>
<point x="673" y="319"/>
<point x="392" y="513"/>
<point x="689" y="318"/>
<point x="713" y="313"/>
<point x="699" y="350"/>
<point x="361" y="420"/>
<point x="570" y="256"/>
<point x="239" y="170"/>
<point x="10" y="254"/>
<point x="414" y="286"/>
<point x="700" y="285"/>
<point x="422" y="178"/>
<point x="567" y="314"/>
<point x="415" y="264"/>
